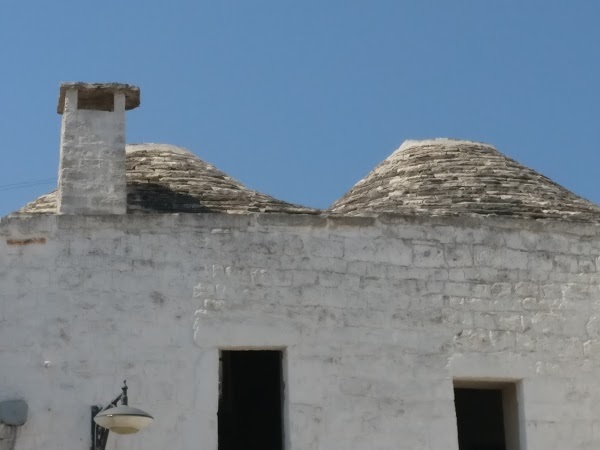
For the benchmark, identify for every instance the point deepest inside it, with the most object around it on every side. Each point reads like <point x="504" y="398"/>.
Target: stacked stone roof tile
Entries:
<point x="452" y="177"/>
<point x="438" y="177"/>
<point x="167" y="179"/>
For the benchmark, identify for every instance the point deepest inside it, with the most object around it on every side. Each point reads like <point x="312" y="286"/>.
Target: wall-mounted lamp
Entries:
<point x="120" y="419"/>
<point x="13" y="414"/>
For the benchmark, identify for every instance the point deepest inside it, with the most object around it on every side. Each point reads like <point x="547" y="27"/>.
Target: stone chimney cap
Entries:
<point x="99" y="96"/>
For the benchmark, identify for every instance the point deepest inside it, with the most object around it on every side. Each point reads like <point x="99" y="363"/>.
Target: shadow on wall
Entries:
<point x="157" y="198"/>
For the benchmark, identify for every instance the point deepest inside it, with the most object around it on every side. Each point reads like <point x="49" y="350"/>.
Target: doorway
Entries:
<point x="250" y="400"/>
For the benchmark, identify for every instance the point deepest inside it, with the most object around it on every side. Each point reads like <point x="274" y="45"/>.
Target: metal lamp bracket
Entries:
<point x="100" y="434"/>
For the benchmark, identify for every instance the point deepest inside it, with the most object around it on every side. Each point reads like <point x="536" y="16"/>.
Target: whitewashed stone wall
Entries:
<point x="376" y="316"/>
<point x="92" y="159"/>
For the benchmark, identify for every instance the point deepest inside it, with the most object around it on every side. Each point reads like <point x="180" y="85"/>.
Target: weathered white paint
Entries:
<point x="376" y="316"/>
<point x="91" y="178"/>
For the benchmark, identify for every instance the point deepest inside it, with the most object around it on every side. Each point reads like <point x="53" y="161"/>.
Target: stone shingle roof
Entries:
<point x="452" y="177"/>
<point x="167" y="179"/>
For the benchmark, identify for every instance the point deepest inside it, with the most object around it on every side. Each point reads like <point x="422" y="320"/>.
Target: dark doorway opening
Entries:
<point x="250" y="400"/>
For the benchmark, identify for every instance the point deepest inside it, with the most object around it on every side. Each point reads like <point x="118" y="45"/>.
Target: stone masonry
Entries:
<point x="448" y="265"/>
<point x="92" y="148"/>
<point x="376" y="315"/>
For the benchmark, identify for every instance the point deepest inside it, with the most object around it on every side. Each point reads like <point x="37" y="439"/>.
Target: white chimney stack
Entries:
<point x="91" y="176"/>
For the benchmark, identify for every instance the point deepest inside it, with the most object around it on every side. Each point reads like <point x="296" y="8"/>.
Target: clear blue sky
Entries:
<point x="301" y="99"/>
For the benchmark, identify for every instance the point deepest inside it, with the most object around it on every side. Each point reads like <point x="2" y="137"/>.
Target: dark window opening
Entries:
<point x="250" y="400"/>
<point x="487" y="415"/>
<point x="104" y="101"/>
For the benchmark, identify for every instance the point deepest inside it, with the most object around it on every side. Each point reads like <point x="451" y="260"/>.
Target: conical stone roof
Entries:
<point x="163" y="178"/>
<point x="453" y="177"/>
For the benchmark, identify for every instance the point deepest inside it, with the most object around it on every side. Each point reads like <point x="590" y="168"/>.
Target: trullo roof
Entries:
<point x="453" y="177"/>
<point x="163" y="178"/>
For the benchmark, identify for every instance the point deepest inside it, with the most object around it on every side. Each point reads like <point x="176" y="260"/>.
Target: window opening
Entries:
<point x="486" y="416"/>
<point x="250" y="400"/>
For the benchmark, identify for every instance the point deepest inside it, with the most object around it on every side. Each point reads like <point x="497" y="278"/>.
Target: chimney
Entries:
<point x="91" y="174"/>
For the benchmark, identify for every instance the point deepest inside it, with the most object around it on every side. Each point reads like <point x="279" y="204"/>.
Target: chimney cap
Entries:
<point x="99" y="96"/>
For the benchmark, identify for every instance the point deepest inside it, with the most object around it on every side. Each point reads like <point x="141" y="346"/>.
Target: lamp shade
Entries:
<point x="123" y="419"/>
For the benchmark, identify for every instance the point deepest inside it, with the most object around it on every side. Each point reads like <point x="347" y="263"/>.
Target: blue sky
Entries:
<point x="301" y="99"/>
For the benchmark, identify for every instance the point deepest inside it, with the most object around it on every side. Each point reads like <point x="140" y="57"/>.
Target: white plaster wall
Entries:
<point x="376" y="316"/>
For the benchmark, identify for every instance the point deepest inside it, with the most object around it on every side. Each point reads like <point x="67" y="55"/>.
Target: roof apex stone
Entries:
<point x="412" y="143"/>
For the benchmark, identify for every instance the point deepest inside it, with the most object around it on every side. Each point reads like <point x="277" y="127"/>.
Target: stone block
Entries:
<point x="541" y="261"/>
<point x="566" y="263"/>
<point x="499" y="258"/>
<point x="325" y="248"/>
<point x="586" y="265"/>
<point x="527" y="289"/>
<point x="428" y="256"/>
<point x="522" y="240"/>
<point x="458" y="255"/>
<point x="391" y="251"/>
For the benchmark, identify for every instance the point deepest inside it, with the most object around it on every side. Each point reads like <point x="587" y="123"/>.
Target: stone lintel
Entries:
<point x="99" y="96"/>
